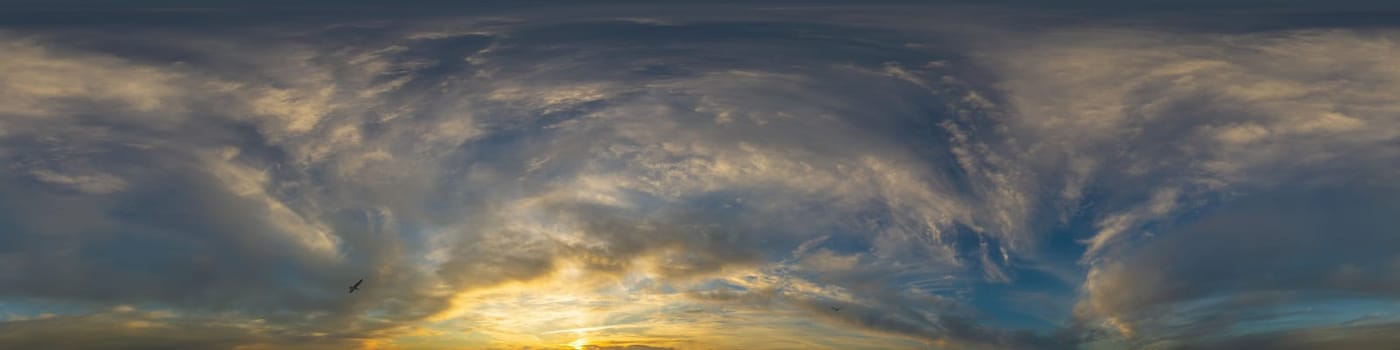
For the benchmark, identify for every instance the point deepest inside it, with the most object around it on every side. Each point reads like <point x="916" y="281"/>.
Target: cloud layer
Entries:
<point x="697" y="177"/>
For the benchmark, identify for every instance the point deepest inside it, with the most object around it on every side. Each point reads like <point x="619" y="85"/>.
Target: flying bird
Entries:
<point x="356" y="286"/>
<point x="835" y="308"/>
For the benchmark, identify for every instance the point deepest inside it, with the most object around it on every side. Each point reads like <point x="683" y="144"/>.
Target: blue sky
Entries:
<point x="686" y="175"/>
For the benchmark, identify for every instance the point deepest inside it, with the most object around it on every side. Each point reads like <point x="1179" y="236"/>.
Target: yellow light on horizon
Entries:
<point x="578" y="344"/>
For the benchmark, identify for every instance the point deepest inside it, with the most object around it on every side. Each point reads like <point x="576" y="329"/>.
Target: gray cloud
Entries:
<point x="1259" y="252"/>
<point x="1336" y="337"/>
<point x="125" y="328"/>
<point x="1181" y="130"/>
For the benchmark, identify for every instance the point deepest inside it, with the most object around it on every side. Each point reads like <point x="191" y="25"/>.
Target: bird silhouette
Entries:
<point x="356" y="286"/>
<point x="835" y="308"/>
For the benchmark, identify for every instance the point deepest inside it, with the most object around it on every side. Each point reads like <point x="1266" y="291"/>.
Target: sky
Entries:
<point x="699" y="175"/>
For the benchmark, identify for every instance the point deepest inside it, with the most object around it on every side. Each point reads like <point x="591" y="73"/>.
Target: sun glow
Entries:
<point x="578" y="344"/>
